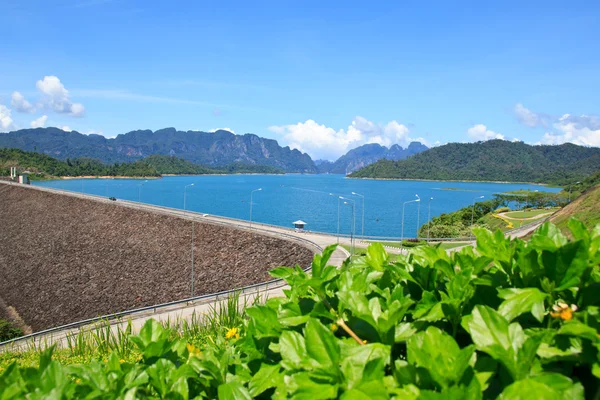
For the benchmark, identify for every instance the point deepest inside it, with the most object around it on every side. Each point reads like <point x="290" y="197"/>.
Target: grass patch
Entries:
<point x="528" y="214"/>
<point x="97" y="343"/>
<point x="585" y="208"/>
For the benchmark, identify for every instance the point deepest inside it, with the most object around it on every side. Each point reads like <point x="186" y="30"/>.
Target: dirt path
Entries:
<point x="539" y="216"/>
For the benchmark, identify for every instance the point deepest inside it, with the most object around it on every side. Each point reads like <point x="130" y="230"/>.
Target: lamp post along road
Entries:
<point x="185" y="212"/>
<point x="251" y="193"/>
<point x="418" y="200"/>
<point x="418" y="219"/>
<point x="363" y="213"/>
<point x="429" y="219"/>
<point x="352" y="226"/>
<point x="338" y="220"/>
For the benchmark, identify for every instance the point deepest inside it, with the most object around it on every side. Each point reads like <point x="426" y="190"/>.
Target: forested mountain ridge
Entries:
<point x="493" y="160"/>
<point x="42" y="166"/>
<point x="212" y="149"/>
<point x="367" y="154"/>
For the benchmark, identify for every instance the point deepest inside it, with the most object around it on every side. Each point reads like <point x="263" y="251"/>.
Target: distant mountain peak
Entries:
<point x="367" y="154"/>
<point x="212" y="149"/>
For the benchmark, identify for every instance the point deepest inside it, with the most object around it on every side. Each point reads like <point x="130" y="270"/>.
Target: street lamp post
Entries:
<point x="251" y="193"/>
<point x="363" y="214"/>
<point x="353" y="226"/>
<point x="418" y="200"/>
<point x="185" y="212"/>
<point x="429" y="219"/>
<point x="473" y="209"/>
<point x="338" y="220"/>
<point x="418" y="219"/>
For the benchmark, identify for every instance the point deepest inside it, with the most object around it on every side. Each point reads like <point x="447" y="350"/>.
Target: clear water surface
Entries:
<point x="288" y="198"/>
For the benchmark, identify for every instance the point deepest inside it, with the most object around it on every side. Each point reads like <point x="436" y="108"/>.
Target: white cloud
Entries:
<point x="40" y="122"/>
<point x="480" y="132"/>
<point x="6" y="122"/>
<point x="530" y="118"/>
<point x="18" y="102"/>
<point x="221" y="129"/>
<point x="323" y="142"/>
<point x="57" y="98"/>
<point x="583" y="130"/>
<point x="66" y="128"/>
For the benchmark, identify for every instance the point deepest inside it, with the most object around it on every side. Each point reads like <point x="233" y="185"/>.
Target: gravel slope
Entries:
<point x="63" y="259"/>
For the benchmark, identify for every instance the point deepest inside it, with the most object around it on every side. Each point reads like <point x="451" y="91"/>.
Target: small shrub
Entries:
<point x="502" y="209"/>
<point x="8" y="330"/>
<point x="413" y="243"/>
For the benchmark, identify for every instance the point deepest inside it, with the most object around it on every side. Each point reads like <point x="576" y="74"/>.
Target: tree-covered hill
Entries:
<point x="494" y="160"/>
<point x="43" y="166"/>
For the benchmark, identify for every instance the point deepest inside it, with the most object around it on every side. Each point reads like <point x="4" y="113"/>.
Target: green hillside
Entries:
<point x="43" y="166"/>
<point x="494" y="160"/>
<point x="586" y="208"/>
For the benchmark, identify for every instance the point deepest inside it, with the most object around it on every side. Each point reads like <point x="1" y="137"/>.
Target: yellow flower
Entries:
<point x="231" y="333"/>
<point x="364" y="342"/>
<point x="193" y="349"/>
<point x="121" y="361"/>
<point x="77" y="381"/>
<point x="563" y="311"/>
<point x="334" y="327"/>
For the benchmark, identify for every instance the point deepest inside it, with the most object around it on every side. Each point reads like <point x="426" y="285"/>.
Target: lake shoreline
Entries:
<point x="450" y="180"/>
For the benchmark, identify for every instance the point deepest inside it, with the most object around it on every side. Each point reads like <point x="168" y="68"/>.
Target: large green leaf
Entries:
<point x="439" y="353"/>
<point x="364" y="363"/>
<point x="268" y="376"/>
<point x="376" y="257"/>
<point x="322" y="346"/>
<point x="493" y="335"/>
<point x="233" y="391"/>
<point x="520" y="301"/>
<point x="545" y="386"/>
<point x="293" y="350"/>
<point x="303" y="387"/>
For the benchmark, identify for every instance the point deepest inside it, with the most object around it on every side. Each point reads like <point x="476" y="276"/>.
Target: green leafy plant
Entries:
<point x="508" y="319"/>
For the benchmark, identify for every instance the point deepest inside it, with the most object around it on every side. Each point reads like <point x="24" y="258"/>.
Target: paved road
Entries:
<point x="198" y="306"/>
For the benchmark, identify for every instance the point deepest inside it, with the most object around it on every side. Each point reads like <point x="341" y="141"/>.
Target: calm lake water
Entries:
<point x="287" y="198"/>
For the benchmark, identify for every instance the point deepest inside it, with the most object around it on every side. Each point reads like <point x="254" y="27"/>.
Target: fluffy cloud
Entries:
<point x="582" y="130"/>
<point x="40" y="122"/>
<point x="6" y="122"/>
<point x="66" y="128"/>
<point x="323" y="142"/>
<point x="18" y="102"/>
<point x="480" y="132"/>
<point x="222" y="129"/>
<point x="57" y="98"/>
<point x="530" y="118"/>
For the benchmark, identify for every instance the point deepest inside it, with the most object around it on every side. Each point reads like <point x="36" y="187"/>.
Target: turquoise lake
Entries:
<point x="287" y="198"/>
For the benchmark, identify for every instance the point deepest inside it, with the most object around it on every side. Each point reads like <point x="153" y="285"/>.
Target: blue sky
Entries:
<point x="320" y="76"/>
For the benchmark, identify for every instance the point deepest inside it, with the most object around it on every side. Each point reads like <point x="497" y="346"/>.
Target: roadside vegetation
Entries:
<point x="509" y="319"/>
<point x="585" y="208"/>
<point x="8" y="330"/>
<point x="495" y="213"/>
